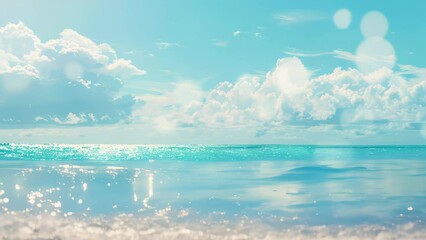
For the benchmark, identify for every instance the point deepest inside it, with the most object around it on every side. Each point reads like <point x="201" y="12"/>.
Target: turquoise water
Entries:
<point x="253" y="191"/>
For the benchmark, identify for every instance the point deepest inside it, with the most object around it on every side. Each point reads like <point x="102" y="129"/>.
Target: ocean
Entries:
<point x="212" y="192"/>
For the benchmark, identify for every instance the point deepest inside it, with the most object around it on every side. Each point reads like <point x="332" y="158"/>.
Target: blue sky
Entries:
<point x="166" y="60"/>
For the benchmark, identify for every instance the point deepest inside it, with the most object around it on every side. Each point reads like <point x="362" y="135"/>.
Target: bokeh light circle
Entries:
<point x="342" y="18"/>
<point x="375" y="53"/>
<point x="374" y="24"/>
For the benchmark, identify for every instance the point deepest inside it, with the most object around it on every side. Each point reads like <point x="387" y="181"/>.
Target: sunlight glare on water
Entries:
<point x="273" y="187"/>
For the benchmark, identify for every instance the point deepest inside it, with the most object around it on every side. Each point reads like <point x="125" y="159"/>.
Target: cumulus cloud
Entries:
<point x="290" y="96"/>
<point x="67" y="80"/>
<point x="170" y="109"/>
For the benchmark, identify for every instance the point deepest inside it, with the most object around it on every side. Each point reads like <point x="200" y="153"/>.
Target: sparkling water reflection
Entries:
<point x="278" y="186"/>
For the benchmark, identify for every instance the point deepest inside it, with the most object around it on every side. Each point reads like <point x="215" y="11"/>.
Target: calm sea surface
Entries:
<point x="212" y="192"/>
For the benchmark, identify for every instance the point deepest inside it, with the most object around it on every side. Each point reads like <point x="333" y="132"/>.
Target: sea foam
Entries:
<point x="22" y="226"/>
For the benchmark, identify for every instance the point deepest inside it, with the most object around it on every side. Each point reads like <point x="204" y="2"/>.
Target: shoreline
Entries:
<point x="22" y="226"/>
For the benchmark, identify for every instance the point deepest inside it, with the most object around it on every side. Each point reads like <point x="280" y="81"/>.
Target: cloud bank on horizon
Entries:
<point x="74" y="81"/>
<point x="289" y="95"/>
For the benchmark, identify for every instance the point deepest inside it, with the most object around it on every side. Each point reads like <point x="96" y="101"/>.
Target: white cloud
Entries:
<point x="257" y="33"/>
<point x="124" y="68"/>
<point x="412" y="70"/>
<point x="302" y="54"/>
<point x="18" y="40"/>
<point x="72" y="80"/>
<point x="336" y="53"/>
<point x="372" y="54"/>
<point x="290" y="96"/>
<point x="169" y="110"/>
<point x="166" y="45"/>
<point x="237" y="33"/>
<point x="71" y="119"/>
<point x="298" y="16"/>
<point x="220" y="44"/>
<point x="67" y="80"/>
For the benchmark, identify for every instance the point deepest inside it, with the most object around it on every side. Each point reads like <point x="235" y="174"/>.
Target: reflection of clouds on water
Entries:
<point x="279" y="196"/>
<point x="340" y="183"/>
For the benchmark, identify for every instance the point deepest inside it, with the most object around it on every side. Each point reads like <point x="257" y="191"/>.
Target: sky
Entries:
<point x="213" y="72"/>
